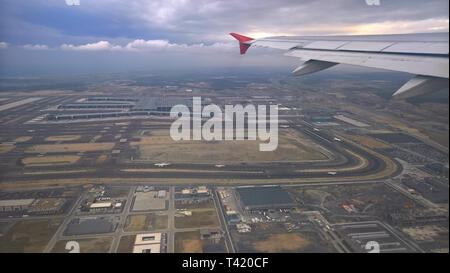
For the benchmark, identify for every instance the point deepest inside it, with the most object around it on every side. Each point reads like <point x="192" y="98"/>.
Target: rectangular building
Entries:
<point x="15" y="204"/>
<point x="147" y="243"/>
<point x="262" y="198"/>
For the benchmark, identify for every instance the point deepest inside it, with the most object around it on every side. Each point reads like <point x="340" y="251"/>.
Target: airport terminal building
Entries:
<point x="144" y="106"/>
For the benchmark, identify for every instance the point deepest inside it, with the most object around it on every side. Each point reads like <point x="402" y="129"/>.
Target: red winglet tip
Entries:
<point x="242" y="39"/>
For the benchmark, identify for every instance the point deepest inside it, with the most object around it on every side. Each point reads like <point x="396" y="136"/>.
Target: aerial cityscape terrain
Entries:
<point x="224" y="135"/>
<point x="98" y="167"/>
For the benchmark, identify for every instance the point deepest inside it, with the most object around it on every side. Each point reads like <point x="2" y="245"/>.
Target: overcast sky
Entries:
<point x="122" y="35"/>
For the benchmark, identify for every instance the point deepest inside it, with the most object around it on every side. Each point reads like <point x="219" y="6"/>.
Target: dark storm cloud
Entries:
<point x="210" y="19"/>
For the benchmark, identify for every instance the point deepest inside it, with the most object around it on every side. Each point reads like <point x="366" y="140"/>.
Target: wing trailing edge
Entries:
<point x="425" y="55"/>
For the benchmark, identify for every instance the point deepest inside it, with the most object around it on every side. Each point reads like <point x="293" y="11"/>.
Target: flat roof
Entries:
<point x="264" y="197"/>
<point x="16" y="202"/>
<point x="153" y="103"/>
<point x="148" y="238"/>
<point x="153" y="248"/>
<point x="101" y="205"/>
<point x="88" y="226"/>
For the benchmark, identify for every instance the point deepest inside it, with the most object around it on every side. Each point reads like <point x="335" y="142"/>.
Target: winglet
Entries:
<point x="242" y="39"/>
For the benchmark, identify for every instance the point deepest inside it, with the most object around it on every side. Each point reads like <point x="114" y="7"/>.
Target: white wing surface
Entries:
<point x="425" y="55"/>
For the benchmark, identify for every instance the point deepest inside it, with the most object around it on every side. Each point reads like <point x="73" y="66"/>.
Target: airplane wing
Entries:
<point x="425" y="55"/>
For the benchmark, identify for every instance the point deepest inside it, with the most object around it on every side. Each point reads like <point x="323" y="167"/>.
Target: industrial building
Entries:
<point x="161" y="104"/>
<point x="147" y="243"/>
<point x="89" y="226"/>
<point x="111" y="99"/>
<point x="162" y="194"/>
<point x="201" y="191"/>
<point x="101" y="206"/>
<point x="211" y="234"/>
<point x="143" y="107"/>
<point x="47" y="205"/>
<point x="95" y="106"/>
<point x="99" y="115"/>
<point x="15" y="205"/>
<point x="263" y="198"/>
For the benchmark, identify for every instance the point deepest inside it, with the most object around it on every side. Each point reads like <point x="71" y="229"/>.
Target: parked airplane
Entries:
<point x="164" y="164"/>
<point x="425" y="55"/>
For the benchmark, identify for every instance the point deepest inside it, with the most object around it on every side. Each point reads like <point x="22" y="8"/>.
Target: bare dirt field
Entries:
<point x="116" y="192"/>
<point x="91" y="245"/>
<point x="425" y="233"/>
<point x="281" y="242"/>
<point x="126" y="244"/>
<point x="101" y="159"/>
<point x="188" y="242"/>
<point x="203" y="205"/>
<point x="23" y="139"/>
<point x="198" y="219"/>
<point x="28" y="236"/>
<point x="146" y="222"/>
<point x="6" y="148"/>
<point x="159" y="146"/>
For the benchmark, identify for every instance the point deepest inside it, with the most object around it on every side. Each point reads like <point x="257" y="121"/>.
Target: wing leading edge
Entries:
<point x="425" y="55"/>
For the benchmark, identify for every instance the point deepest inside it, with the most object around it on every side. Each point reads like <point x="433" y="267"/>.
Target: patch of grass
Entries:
<point x="203" y="205"/>
<point x="292" y="146"/>
<point x="101" y="159"/>
<point x="275" y="243"/>
<point x="50" y="160"/>
<point x="23" y="139"/>
<point x="198" y="219"/>
<point x="121" y="123"/>
<point x="116" y="192"/>
<point x="146" y="222"/>
<point x="126" y="244"/>
<point x="58" y="172"/>
<point x="63" y="138"/>
<point x="188" y="242"/>
<point x="370" y="142"/>
<point x="70" y="147"/>
<point x="28" y="236"/>
<point x="6" y="148"/>
<point x="91" y="245"/>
